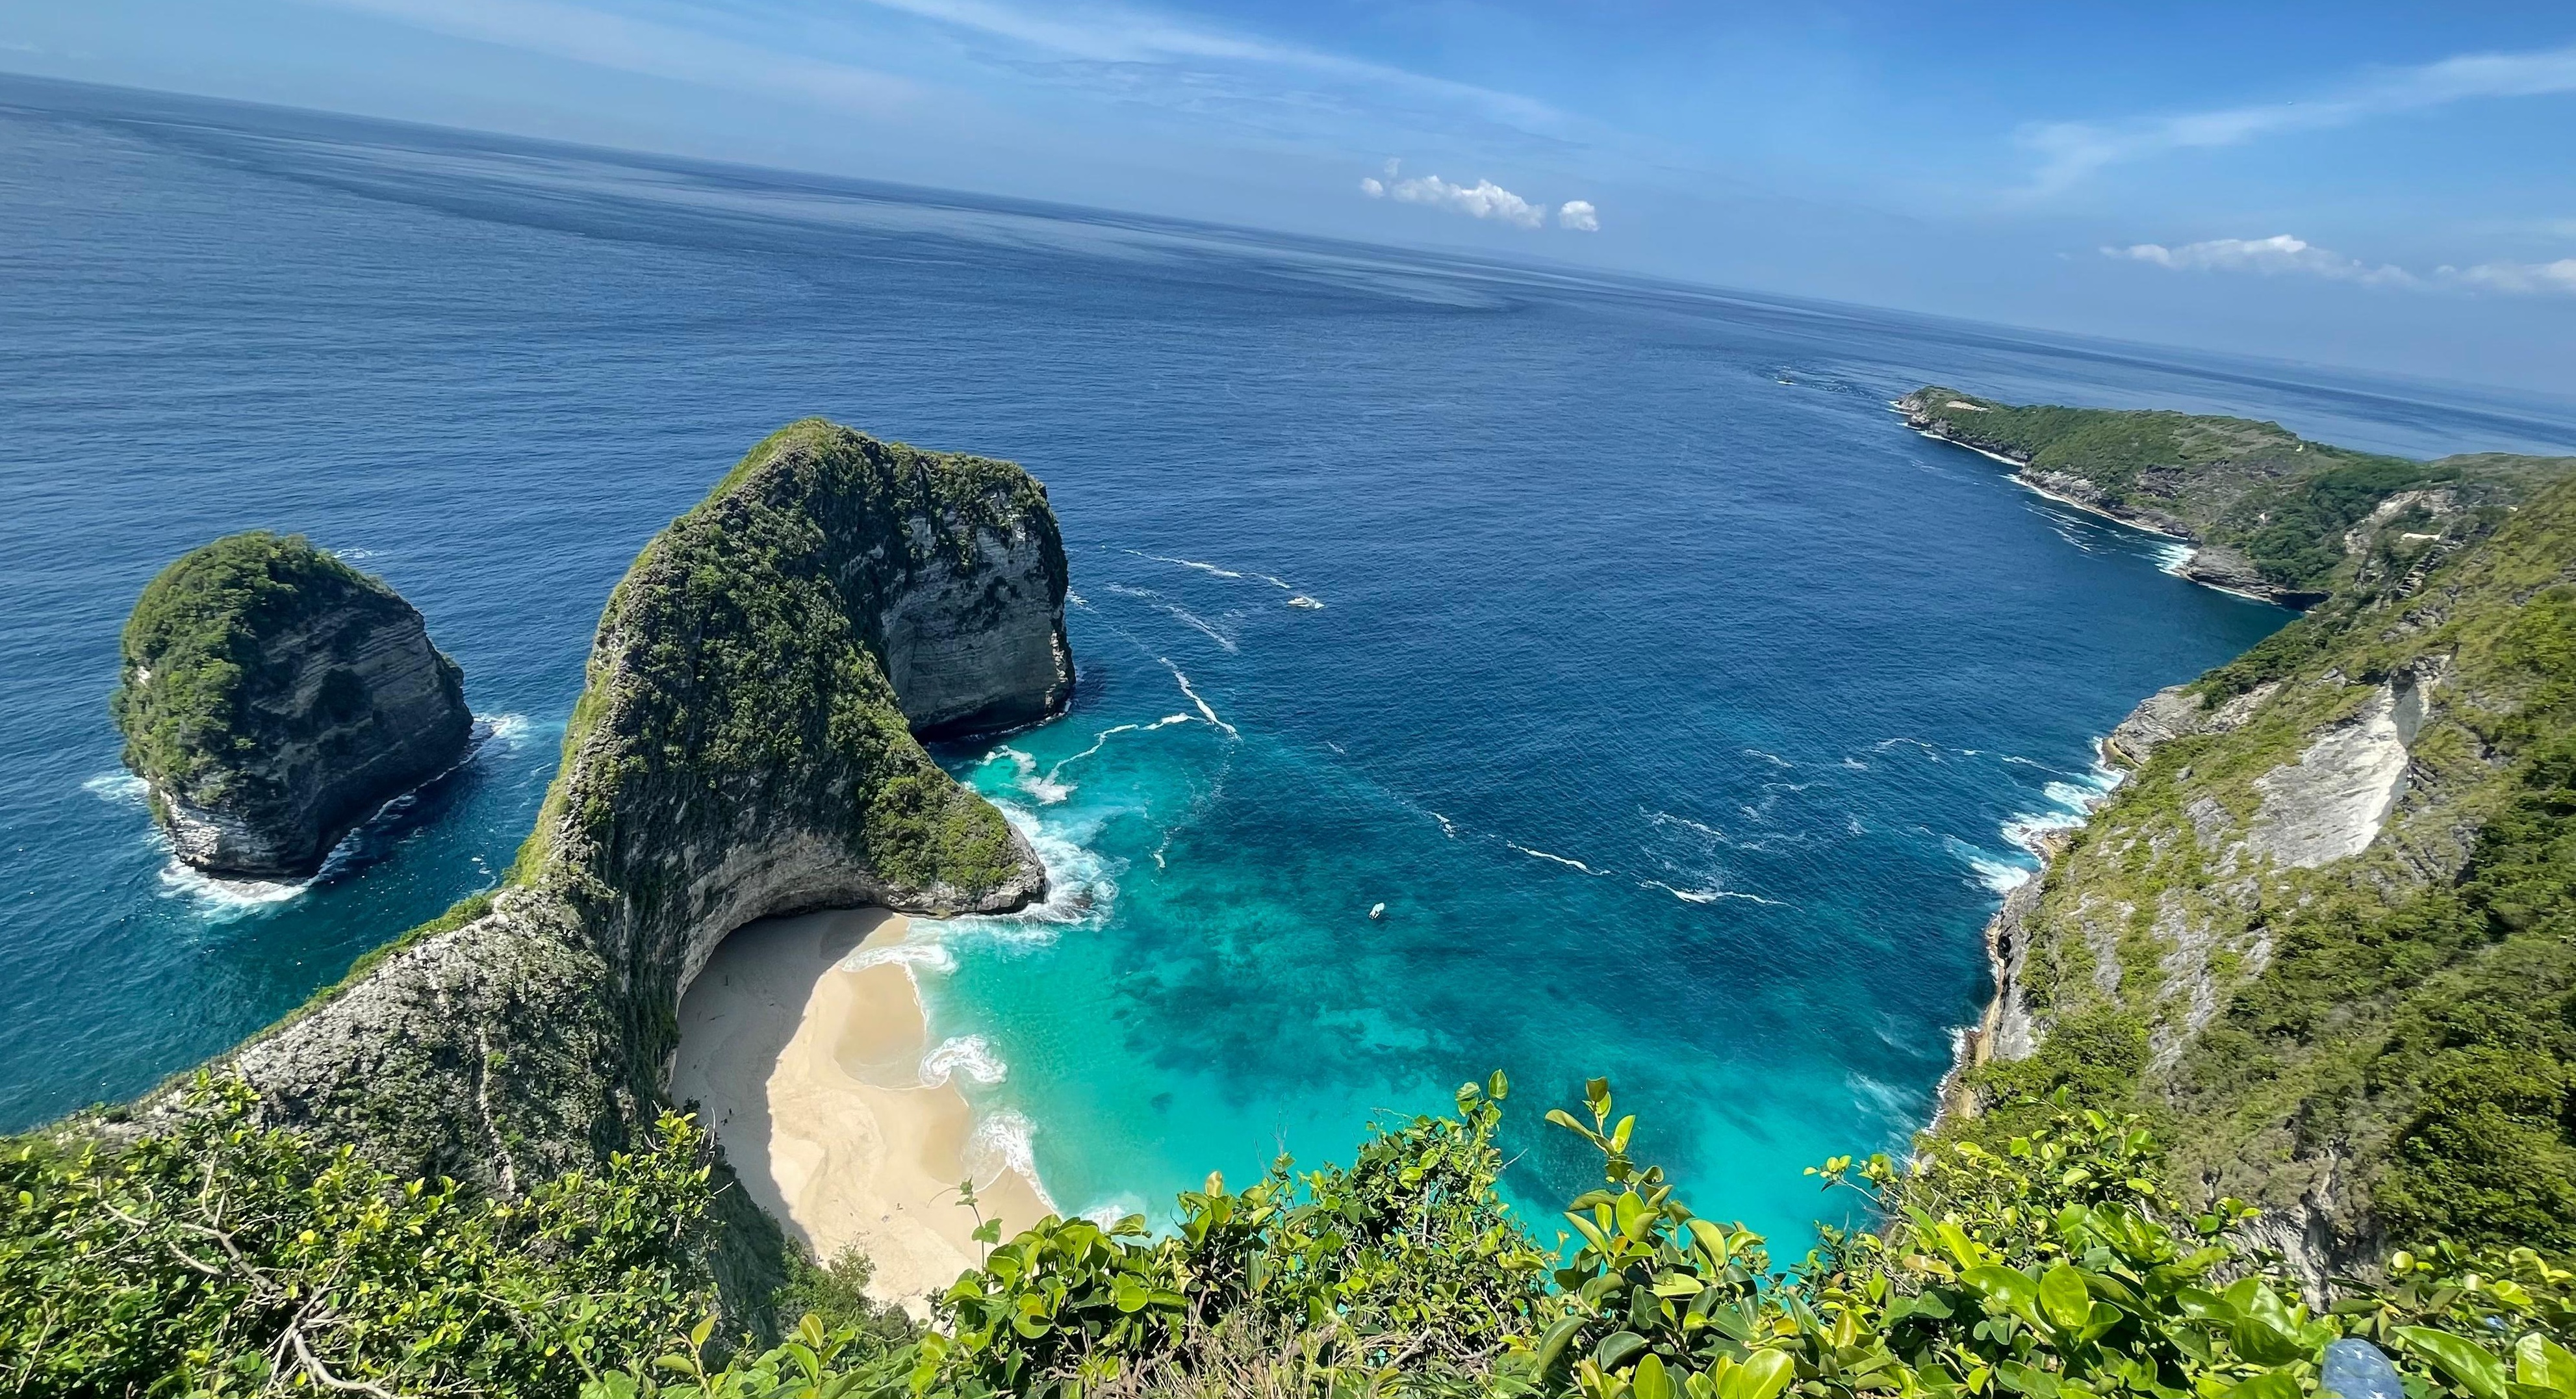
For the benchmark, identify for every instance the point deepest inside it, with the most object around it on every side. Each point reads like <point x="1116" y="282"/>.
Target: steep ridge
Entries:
<point x="744" y="747"/>
<point x="2269" y="513"/>
<point x="2325" y="932"/>
<point x="273" y="697"/>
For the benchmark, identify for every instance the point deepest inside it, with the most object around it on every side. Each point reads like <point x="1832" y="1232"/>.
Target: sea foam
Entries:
<point x="969" y="1057"/>
<point x="1006" y="1140"/>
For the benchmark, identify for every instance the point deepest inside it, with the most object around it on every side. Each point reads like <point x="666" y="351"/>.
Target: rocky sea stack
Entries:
<point x="274" y="697"/>
<point x="745" y="746"/>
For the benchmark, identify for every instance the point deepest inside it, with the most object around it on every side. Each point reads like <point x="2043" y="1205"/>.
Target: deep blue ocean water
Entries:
<point x="1671" y="696"/>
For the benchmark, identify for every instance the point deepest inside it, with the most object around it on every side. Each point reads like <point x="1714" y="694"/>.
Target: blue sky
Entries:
<point x="2389" y="186"/>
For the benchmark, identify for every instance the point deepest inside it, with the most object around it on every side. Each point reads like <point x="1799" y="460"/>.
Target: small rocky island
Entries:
<point x="274" y="697"/>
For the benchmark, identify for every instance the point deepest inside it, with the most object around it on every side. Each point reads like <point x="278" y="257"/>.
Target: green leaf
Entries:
<point x="2276" y="1384"/>
<point x="2470" y="1367"/>
<point x="2542" y="1362"/>
<point x="1650" y="1381"/>
<point x="2063" y="1296"/>
<point x="1616" y="1348"/>
<point x="2010" y="1286"/>
<point x="1763" y="1374"/>
<point x="2265" y="1343"/>
<point x="2204" y="1306"/>
<point x="1552" y="1344"/>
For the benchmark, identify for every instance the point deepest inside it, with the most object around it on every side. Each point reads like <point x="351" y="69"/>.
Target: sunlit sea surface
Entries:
<point x="1678" y="704"/>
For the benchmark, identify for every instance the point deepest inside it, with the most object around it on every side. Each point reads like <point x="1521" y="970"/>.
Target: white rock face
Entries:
<point x="980" y="648"/>
<point x="2332" y="802"/>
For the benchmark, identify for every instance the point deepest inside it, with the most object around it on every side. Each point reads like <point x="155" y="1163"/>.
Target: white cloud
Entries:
<point x="1579" y="215"/>
<point x="2278" y="253"/>
<point x="646" y="47"/>
<point x="2282" y="253"/>
<point x="1481" y="200"/>
<point x="2070" y="151"/>
<point x="2524" y="277"/>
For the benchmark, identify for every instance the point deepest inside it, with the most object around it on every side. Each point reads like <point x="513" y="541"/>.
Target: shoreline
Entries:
<point x="2021" y="479"/>
<point x="803" y="1054"/>
<point x="1972" y="1046"/>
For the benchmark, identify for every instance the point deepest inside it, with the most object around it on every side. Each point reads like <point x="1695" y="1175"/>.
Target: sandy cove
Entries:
<point x="809" y="1073"/>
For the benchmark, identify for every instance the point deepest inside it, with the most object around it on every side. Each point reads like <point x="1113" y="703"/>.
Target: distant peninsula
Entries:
<point x="273" y="698"/>
<point x="2269" y="513"/>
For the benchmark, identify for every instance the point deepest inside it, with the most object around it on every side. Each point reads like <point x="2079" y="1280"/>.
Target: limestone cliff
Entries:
<point x="274" y="697"/>
<point x="744" y="747"/>
<point x="2325" y="932"/>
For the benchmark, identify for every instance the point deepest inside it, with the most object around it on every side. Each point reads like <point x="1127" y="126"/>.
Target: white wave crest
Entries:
<point x="1109" y="1212"/>
<point x="118" y="787"/>
<point x="1190" y="619"/>
<point x="927" y="955"/>
<point x="1712" y="895"/>
<point x="223" y="900"/>
<point x="969" y="1057"/>
<point x="1044" y="787"/>
<point x="1666" y="818"/>
<point x="1205" y="712"/>
<point x="1447" y="827"/>
<point x="1772" y="758"/>
<point x="506" y="728"/>
<point x="1006" y="1141"/>
<point x="1080" y="888"/>
<point x="2071" y="804"/>
<point x="1271" y="579"/>
<point x="2173" y="556"/>
<point x="2000" y="876"/>
<point x="1560" y="859"/>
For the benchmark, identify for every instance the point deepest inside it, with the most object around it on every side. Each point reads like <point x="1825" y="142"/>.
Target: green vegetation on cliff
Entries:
<point x="192" y="650"/>
<point x="2286" y="503"/>
<point x="747" y="657"/>
<point x="2379" y="1044"/>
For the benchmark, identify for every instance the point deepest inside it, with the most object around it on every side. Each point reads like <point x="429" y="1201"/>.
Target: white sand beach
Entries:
<point x="809" y="1073"/>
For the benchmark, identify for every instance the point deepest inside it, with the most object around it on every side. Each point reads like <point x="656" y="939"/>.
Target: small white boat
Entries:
<point x="1377" y="910"/>
<point x="1301" y="600"/>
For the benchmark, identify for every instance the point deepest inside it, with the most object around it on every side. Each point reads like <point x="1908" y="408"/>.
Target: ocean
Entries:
<point x="1680" y="707"/>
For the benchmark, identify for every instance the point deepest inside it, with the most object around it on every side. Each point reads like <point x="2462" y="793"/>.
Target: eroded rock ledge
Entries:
<point x="745" y="746"/>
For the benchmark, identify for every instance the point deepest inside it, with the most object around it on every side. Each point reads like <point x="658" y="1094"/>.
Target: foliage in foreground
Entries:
<point x="217" y="1257"/>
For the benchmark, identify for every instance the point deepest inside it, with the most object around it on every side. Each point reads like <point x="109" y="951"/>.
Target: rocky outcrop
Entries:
<point x="976" y="644"/>
<point x="2332" y="802"/>
<point x="274" y="697"/>
<point x="745" y="747"/>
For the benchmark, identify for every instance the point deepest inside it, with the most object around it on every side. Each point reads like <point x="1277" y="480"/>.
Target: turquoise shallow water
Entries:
<point x="1673" y="699"/>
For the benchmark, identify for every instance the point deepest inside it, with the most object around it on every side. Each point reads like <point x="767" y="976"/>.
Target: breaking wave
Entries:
<point x="1006" y="1140"/>
<point x="969" y="1057"/>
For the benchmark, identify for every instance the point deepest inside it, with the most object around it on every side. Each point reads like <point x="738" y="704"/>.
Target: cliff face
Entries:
<point x="742" y="749"/>
<point x="274" y="697"/>
<point x="2270" y="514"/>
<point x="2325" y="933"/>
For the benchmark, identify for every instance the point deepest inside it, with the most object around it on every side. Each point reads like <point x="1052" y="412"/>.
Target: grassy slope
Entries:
<point x="2285" y="501"/>
<point x="2395" y="1030"/>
